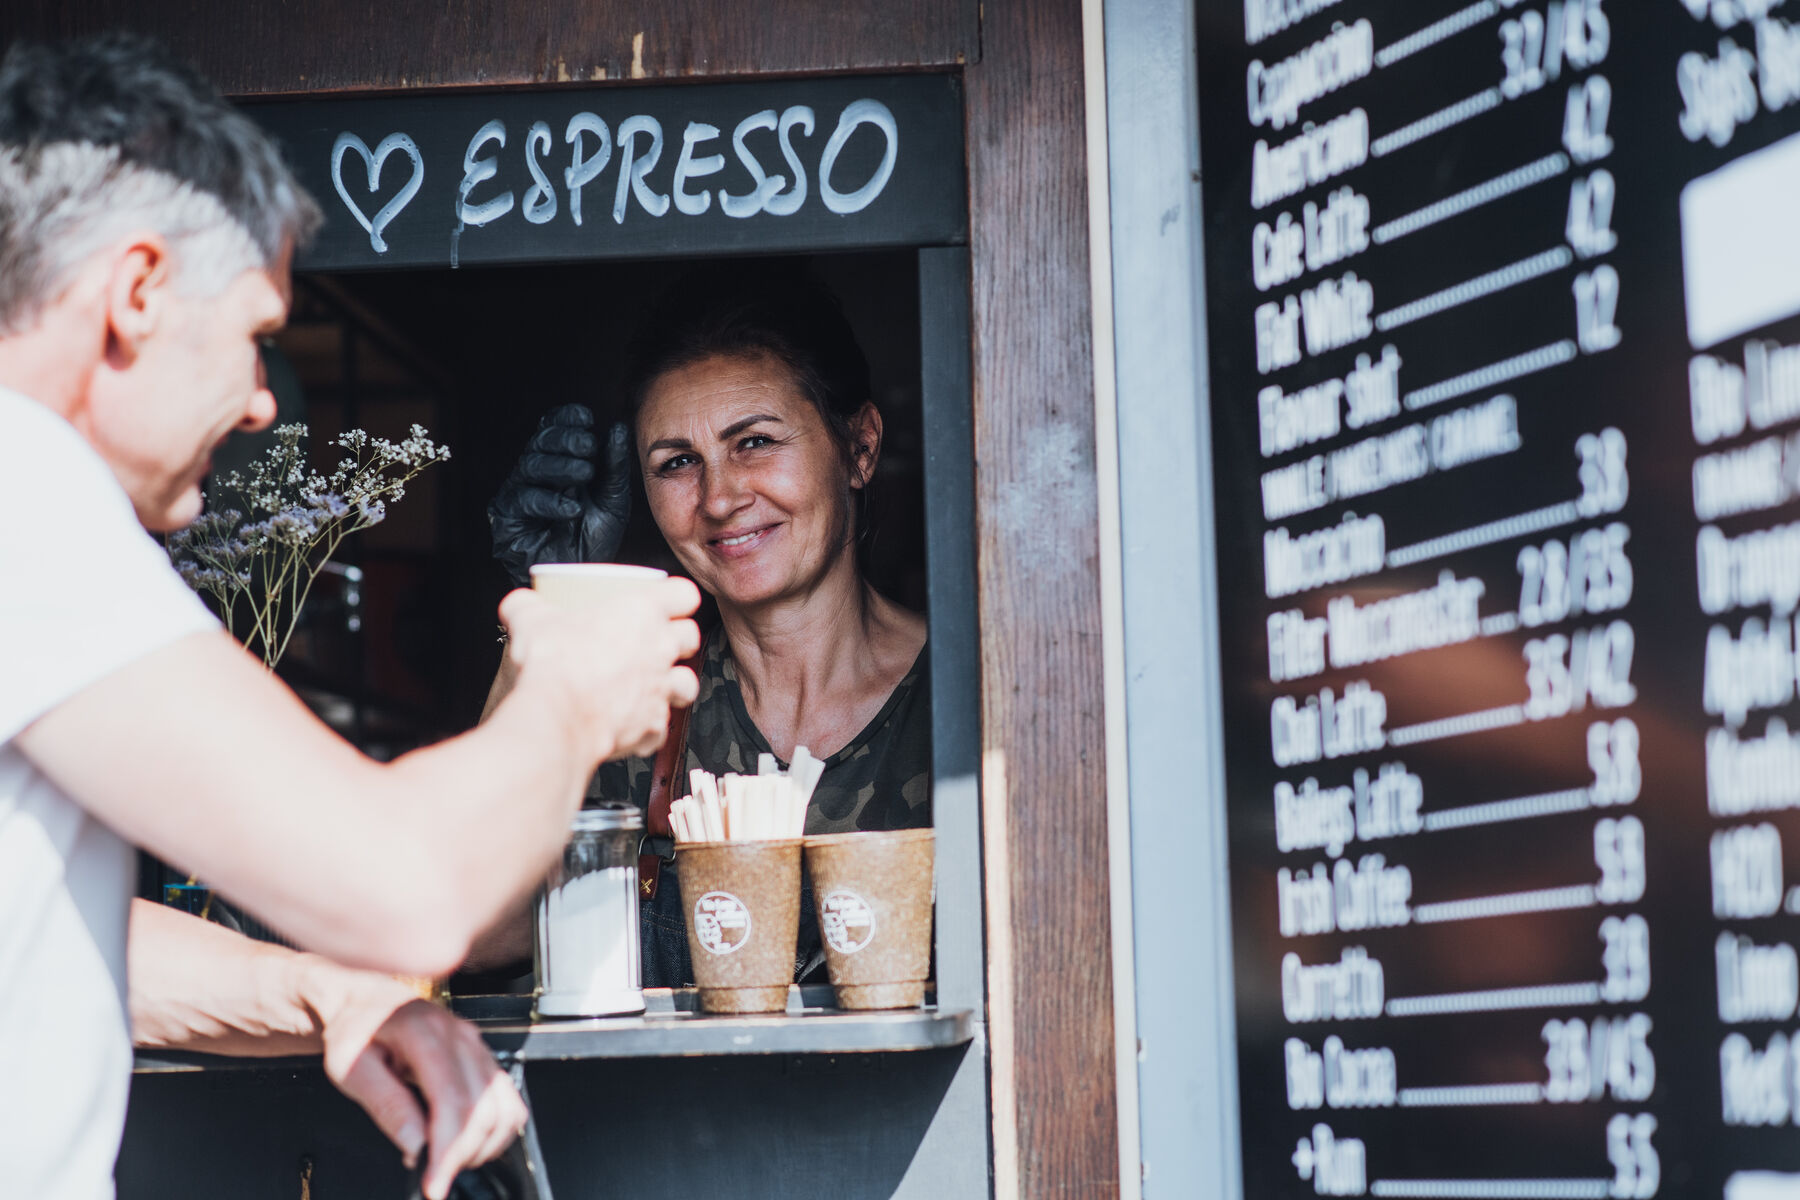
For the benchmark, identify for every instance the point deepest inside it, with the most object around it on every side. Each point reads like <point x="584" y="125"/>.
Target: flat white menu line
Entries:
<point x="1519" y="808"/>
<point x="1512" y="275"/>
<point x="1437" y="122"/>
<point x="1499" y="623"/>
<point x="1510" y="904"/>
<point x="1548" y="167"/>
<point x="1502" y="530"/>
<point x="1448" y="727"/>
<point x="1549" y="995"/>
<point x="1516" y="367"/>
<point x="1436" y="32"/>
<point x="1474" y="1094"/>
<point x="1494" y="1189"/>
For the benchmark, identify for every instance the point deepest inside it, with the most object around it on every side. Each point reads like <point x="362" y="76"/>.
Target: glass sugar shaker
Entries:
<point x="586" y="944"/>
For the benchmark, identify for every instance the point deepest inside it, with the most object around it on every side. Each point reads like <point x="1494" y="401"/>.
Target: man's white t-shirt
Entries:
<point x="84" y="591"/>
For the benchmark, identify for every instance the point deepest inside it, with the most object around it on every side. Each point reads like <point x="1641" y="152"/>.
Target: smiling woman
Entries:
<point x="744" y="475"/>
<point x="757" y="441"/>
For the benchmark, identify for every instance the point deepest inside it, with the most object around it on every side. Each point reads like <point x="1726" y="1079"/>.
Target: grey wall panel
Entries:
<point x="1187" y="1069"/>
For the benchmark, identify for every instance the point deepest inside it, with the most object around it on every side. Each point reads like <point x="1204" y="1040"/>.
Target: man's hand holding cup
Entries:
<point x="607" y="639"/>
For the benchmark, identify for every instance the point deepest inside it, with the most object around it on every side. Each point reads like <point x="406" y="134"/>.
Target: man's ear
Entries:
<point x="136" y="293"/>
<point x="865" y="444"/>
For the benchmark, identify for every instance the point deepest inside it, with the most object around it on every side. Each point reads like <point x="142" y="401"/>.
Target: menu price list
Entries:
<point x="1505" y="372"/>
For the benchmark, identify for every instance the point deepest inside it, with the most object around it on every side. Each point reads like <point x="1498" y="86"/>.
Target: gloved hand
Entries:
<point x="552" y="508"/>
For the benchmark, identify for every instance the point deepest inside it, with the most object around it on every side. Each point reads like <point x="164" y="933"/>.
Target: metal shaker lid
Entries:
<point x="608" y="817"/>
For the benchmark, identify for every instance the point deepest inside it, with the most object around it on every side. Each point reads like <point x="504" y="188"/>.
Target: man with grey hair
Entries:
<point x="145" y="234"/>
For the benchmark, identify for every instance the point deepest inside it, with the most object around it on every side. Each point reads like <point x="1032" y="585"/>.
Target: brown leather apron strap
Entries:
<point x="665" y="771"/>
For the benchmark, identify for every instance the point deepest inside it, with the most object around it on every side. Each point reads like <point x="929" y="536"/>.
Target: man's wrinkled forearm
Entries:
<point x="199" y="986"/>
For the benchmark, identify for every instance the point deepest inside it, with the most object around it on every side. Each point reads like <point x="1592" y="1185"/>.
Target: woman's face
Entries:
<point x="744" y="479"/>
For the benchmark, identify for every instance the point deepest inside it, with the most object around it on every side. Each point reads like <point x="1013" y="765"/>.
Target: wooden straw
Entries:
<point x="805" y="772"/>
<point x="743" y="808"/>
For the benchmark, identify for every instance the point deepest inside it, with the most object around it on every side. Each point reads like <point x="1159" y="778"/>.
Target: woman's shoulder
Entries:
<point x="910" y="629"/>
<point x="901" y="641"/>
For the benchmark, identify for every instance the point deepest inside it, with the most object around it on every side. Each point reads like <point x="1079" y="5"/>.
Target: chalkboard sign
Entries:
<point x="1505" y="383"/>
<point x="612" y="172"/>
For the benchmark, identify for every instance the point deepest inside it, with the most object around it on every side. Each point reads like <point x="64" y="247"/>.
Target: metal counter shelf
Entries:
<point x="670" y="1027"/>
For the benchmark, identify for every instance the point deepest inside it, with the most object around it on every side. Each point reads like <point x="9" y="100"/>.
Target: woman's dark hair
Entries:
<point x="783" y="314"/>
<point x="786" y="315"/>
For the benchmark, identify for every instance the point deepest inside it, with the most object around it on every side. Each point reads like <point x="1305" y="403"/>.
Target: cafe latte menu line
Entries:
<point x="1503" y="305"/>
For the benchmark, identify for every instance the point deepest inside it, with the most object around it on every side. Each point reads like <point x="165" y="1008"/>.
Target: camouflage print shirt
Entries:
<point x="880" y="780"/>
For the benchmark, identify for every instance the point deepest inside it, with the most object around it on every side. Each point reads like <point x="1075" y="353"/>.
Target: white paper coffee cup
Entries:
<point x="589" y="583"/>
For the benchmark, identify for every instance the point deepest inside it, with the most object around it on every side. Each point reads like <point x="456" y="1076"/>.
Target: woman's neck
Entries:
<point x="801" y="639"/>
<point x="806" y="659"/>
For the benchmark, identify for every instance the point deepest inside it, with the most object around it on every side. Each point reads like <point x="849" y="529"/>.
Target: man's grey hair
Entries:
<point x="105" y="136"/>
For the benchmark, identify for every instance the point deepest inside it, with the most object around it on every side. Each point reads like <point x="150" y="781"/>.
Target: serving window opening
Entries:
<point x="399" y="645"/>
<point x="479" y="357"/>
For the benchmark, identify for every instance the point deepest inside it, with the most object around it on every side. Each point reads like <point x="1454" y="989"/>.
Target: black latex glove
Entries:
<point x="552" y="508"/>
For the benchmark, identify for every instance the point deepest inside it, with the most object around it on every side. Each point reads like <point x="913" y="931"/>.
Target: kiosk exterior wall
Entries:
<point x="1044" y="780"/>
<point x="345" y="45"/>
<point x="1035" y="760"/>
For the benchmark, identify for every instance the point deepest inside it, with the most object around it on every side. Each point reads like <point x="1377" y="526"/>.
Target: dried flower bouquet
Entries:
<point x="258" y="563"/>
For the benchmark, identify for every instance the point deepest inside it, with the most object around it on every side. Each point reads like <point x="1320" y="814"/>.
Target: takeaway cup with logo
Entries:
<point x="873" y="893"/>
<point x="742" y="901"/>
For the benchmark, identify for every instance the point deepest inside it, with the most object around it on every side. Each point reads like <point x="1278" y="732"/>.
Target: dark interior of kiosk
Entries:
<point x="478" y="356"/>
<point x="399" y="643"/>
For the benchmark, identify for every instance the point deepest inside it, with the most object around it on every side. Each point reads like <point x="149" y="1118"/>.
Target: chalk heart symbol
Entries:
<point x="373" y="160"/>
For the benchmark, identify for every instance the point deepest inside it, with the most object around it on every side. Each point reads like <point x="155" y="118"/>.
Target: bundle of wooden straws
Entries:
<point x="765" y="806"/>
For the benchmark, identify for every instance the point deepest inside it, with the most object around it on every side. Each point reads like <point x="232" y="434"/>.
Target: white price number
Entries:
<point x="1746" y="872"/>
<point x="1590" y="573"/>
<point x="1597" y="309"/>
<point x="1605" y="486"/>
<point x="1587" y="1061"/>
<point x="1626" y="959"/>
<point x="1584" y="120"/>
<point x="1612" y="748"/>
<point x="1530" y="57"/>
<point x="1587" y="35"/>
<point x="1636" y="1169"/>
<point x="1563" y="673"/>
<point x="1534" y="45"/>
<point x="1619" y="853"/>
<point x="1590" y="229"/>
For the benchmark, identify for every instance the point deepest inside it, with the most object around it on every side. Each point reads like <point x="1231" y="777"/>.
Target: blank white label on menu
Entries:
<point x="1740" y="244"/>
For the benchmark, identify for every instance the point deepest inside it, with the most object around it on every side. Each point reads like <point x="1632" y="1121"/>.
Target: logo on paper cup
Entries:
<point x="721" y="922"/>
<point x="849" y="921"/>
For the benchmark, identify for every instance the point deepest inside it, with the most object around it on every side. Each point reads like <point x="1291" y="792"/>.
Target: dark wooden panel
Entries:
<point x="248" y="47"/>
<point x="705" y="37"/>
<point x="765" y="1127"/>
<point x="259" y="47"/>
<point x="1056" y="1127"/>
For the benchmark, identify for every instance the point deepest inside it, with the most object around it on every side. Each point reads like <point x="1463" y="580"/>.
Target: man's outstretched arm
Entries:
<point x="199" y="755"/>
<point x="197" y="986"/>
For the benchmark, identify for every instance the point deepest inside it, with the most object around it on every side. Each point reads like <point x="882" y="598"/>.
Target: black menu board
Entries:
<point x="583" y="173"/>
<point x="1505" y="388"/>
